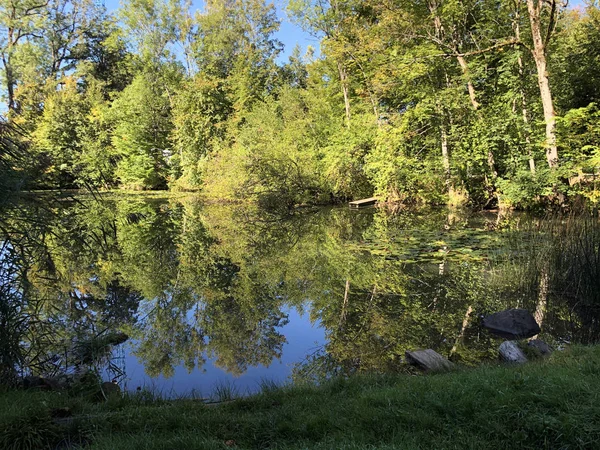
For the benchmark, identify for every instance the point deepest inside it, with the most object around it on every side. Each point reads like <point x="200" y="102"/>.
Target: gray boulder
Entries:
<point x="110" y="389"/>
<point x="55" y="383"/>
<point x="32" y="382"/>
<point x="541" y="346"/>
<point x="429" y="360"/>
<point x="512" y="324"/>
<point x="510" y="352"/>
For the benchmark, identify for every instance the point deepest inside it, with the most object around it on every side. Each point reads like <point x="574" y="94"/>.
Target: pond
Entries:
<point x="229" y="296"/>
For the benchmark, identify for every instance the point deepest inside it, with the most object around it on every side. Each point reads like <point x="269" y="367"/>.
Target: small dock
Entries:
<point x="364" y="202"/>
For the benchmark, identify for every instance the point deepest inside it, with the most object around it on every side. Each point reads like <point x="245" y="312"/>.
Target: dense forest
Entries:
<point x="430" y="101"/>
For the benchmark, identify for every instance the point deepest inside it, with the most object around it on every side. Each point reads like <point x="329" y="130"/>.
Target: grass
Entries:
<point x="225" y="392"/>
<point x="553" y="404"/>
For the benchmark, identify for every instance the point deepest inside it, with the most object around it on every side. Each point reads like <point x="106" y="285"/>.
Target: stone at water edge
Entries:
<point x="541" y="346"/>
<point x="109" y="389"/>
<point x="428" y="360"/>
<point x="512" y="324"/>
<point x="32" y="381"/>
<point x="61" y="413"/>
<point x="510" y="352"/>
<point x="45" y="384"/>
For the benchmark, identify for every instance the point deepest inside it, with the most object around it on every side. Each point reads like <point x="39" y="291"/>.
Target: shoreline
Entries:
<point x="549" y="403"/>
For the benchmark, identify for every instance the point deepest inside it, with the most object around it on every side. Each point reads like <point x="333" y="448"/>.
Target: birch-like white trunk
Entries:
<point x="538" y="51"/>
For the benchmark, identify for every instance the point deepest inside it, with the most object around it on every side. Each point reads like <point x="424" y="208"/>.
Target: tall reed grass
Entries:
<point x="552" y="267"/>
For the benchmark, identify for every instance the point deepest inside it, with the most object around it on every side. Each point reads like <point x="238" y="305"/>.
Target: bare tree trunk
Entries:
<point x="345" y="304"/>
<point x="344" y="83"/>
<point x="540" y="310"/>
<point x="446" y="158"/>
<point x="517" y="28"/>
<point x="465" y="69"/>
<point x="465" y="323"/>
<point x="526" y="118"/>
<point x="538" y="51"/>
<point x="8" y="72"/>
<point x="10" y="85"/>
<point x="375" y="109"/>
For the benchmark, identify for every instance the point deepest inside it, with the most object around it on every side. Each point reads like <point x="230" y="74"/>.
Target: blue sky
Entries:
<point x="289" y="33"/>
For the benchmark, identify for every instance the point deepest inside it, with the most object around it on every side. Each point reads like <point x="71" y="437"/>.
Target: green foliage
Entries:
<point x="59" y="133"/>
<point x="278" y="164"/>
<point x="199" y="113"/>
<point x="155" y="26"/>
<point x="399" y="170"/>
<point x="576" y="59"/>
<point x="73" y="138"/>
<point x="526" y="190"/>
<point x="580" y="131"/>
<point x="344" y="158"/>
<point x="290" y="150"/>
<point x="13" y="159"/>
<point x="532" y="406"/>
<point x="142" y="125"/>
<point x="394" y="105"/>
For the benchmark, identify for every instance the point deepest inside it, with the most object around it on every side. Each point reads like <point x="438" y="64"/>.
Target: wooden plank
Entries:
<point x="364" y="202"/>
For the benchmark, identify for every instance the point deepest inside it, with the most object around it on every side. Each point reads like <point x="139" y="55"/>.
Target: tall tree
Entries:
<point x="235" y="43"/>
<point x="155" y="26"/>
<point x="20" y="20"/>
<point x="541" y="35"/>
<point x="326" y="19"/>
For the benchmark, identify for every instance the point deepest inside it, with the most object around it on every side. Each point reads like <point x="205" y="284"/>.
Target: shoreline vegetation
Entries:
<point x="393" y="105"/>
<point x="544" y="404"/>
<point x="548" y="403"/>
<point x="492" y="105"/>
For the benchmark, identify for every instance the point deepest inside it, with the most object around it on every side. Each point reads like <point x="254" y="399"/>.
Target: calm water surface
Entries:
<point x="228" y="295"/>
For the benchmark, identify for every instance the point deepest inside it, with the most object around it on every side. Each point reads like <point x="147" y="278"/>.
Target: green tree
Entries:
<point x="200" y="111"/>
<point x="141" y="115"/>
<point x="19" y="22"/>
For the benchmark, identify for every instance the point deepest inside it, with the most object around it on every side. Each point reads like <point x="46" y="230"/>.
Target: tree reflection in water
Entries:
<point x="189" y="282"/>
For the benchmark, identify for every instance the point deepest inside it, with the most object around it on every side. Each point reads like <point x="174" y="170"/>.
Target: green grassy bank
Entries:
<point x="552" y="404"/>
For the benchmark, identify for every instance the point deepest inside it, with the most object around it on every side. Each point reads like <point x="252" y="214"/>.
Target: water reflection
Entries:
<point x="199" y="286"/>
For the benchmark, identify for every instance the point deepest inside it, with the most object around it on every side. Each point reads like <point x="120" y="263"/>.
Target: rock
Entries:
<point x="32" y="382"/>
<point x="541" y="346"/>
<point x="116" y="338"/>
<point x="428" y="360"/>
<point x="56" y="383"/>
<point x="45" y="384"/>
<point x="110" y="389"/>
<point x="512" y="324"/>
<point x="510" y="352"/>
<point x="61" y="413"/>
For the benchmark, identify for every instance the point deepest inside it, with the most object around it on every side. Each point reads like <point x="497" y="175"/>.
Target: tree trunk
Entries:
<point x="517" y="28"/>
<point x="345" y="304"/>
<point x="344" y="83"/>
<point x="465" y="69"/>
<point x="461" y="334"/>
<point x="539" y="55"/>
<point x="446" y="159"/>
<point x="473" y="97"/>
<point x="526" y="118"/>
<point x="8" y="72"/>
<point x="10" y="86"/>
